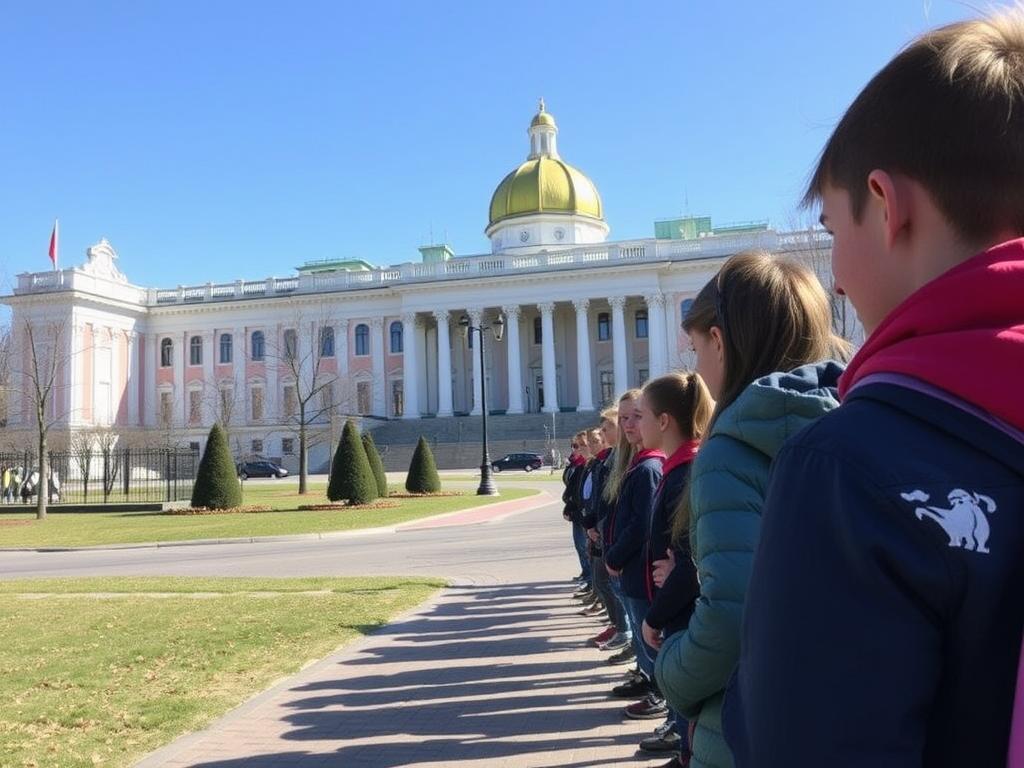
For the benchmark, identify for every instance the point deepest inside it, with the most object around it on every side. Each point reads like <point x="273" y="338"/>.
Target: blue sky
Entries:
<point x="209" y="141"/>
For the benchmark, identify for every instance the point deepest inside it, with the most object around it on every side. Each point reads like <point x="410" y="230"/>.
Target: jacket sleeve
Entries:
<point x="843" y="614"/>
<point x="631" y="527"/>
<point x="727" y="487"/>
<point x="679" y="591"/>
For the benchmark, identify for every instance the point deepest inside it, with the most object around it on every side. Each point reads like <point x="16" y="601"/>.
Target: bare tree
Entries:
<point x="82" y="445"/>
<point x="5" y="372"/>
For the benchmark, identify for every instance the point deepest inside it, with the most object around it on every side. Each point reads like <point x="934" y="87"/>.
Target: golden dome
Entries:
<point x="543" y="118"/>
<point x="545" y="185"/>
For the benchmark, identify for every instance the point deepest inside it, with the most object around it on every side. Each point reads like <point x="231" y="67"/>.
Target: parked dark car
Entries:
<point x="249" y="469"/>
<point x="525" y="461"/>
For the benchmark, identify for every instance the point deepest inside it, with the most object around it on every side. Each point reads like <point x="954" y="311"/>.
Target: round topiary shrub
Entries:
<point x="376" y="465"/>
<point x="422" y="477"/>
<point x="352" y="479"/>
<point x="217" y="481"/>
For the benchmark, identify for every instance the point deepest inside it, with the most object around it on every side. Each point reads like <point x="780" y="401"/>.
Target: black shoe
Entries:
<point x="665" y="739"/>
<point x="633" y="689"/>
<point x="624" y="656"/>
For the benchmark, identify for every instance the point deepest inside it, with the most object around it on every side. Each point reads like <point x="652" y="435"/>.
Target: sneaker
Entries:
<point x="651" y="708"/>
<point x="633" y="689"/>
<point x="604" y="637"/>
<point x="616" y="642"/>
<point x="665" y="739"/>
<point x="634" y="673"/>
<point x="625" y="656"/>
<point x="583" y="591"/>
<point x="593" y="609"/>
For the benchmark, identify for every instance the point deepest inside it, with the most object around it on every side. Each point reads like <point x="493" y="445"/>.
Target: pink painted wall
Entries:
<point x="359" y="362"/>
<point x="141" y="352"/>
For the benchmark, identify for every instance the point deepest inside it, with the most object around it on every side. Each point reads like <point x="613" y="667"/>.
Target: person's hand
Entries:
<point x="592" y="533"/>
<point x="662" y="568"/>
<point x="611" y="571"/>
<point x="651" y="636"/>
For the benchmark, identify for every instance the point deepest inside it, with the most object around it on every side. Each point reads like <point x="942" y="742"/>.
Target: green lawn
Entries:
<point x="102" y="671"/>
<point x="95" y="528"/>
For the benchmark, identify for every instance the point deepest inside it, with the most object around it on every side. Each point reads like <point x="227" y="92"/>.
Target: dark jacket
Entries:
<point x="884" y="617"/>
<point x="571" y="478"/>
<point x="672" y="603"/>
<point x="626" y="528"/>
<point x="597" y="509"/>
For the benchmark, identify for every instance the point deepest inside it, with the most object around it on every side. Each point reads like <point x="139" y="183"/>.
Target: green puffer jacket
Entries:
<point x="727" y="490"/>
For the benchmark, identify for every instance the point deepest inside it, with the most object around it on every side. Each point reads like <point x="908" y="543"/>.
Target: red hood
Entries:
<point x="646" y="454"/>
<point x="962" y="332"/>
<point x="603" y="454"/>
<point x="576" y="460"/>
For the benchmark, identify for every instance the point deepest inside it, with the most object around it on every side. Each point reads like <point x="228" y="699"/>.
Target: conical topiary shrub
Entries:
<point x="351" y="477"/>
<point x="422" y="477"/>
<point x="217" y="481"/>
<point x="376" y="465"/>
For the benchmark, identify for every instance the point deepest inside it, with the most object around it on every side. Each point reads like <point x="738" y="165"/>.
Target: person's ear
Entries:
<point x="889" y="197"/>
<point x="717" y="342"/>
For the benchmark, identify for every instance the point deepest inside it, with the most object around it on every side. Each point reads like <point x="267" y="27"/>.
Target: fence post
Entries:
<point x="127" y="472"/>
<point x="106" y="476"/>
<point x="167" y="473"/>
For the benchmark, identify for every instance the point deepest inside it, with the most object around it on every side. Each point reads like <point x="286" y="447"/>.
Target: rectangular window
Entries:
<point x="327" y="400"/>
<point x="327" y="341"/>
<point x="257" y="404"/>
<point x="227" y="403"/>
<point x="538" y="330"/>
<point x="290" y="403"/>
<point x="195" y="350"/>
<point x="166" y="408"/>
<point x="642" y="375"/>
<point x="607" y="387"/>
<point x="195" y="406"/>
<point x="397" y="399"/>
<point x="166" y="353"/>
<point x="257" y="446"/>
<point x="641" y="323"/>
<point x="288" y="446"/>
<point x="225" y="348"/>
<point x="291" y="345"/>
<point x="604" y="326"/>
<point x="194" y="447"/>
<point x="363" y="397"/>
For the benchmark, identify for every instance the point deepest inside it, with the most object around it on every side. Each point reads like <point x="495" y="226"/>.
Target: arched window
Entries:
<point x="258" y="350"/>
<point x="684" y="309"/>
<point x="195" y="350"/>
<point x="538" y="330"/>
<point x="166" y="353"/>
<point x="604" y="326"/>
<point x="327" y="341"/>
<point x="225" y="348"/>
<point x="641" y="323"/>
<point x="291" y="345"/>
<point x="362" y="339"/>
<point x="396" y="338"/>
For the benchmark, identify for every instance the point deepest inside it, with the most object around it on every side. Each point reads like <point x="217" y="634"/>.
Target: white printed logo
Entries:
<point x="964" y="522"/>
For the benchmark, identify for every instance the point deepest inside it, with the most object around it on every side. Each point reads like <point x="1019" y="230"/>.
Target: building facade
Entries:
<point x="584" y="317"/>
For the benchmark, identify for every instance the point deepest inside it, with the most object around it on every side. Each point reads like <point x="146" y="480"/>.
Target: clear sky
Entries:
<point x="217" y="140"/>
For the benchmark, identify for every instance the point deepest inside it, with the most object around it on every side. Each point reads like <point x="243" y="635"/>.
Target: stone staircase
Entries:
<point x="456" y="441"/>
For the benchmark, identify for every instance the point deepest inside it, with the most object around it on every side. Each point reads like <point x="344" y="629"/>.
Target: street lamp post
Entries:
<point x="487" y="487"/>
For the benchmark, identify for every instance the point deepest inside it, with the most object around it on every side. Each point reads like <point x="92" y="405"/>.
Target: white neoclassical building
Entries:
<point x="585" y="318"/>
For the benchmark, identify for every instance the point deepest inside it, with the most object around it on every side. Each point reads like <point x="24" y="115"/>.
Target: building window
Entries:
<point x="327" y="400"/>
<point x="288" y="446"/>
<point x="607" y="387"/>
<point x="194" y="447"/>
<point x="396" y="338"/>
<point x="538" y="330"/>
<point x="195" y="406"/>
<point x="362" y="339"/>
<point x="291" y="345"/>
<point x="257" y="446"/>
<point x="227" y="403"/>
<point x="642" y="375"/>
<point x="469" y="338"/>
<point x="604" y="326"/>
<point x="363" y="398"/>
<point x="166" y="408"/>
<point x="641" y="323"/>
<point x="166" y="353"/>
<point x="195" y="350"/>
<point x="258" y="346"/>
<point x="397" y="398"/>
<point x="684" y="309"/>
<point x="327" y="341"/>
<point x="289" y="404"/>
<point x="257" y="403"/>
<point x="225" y="348"/>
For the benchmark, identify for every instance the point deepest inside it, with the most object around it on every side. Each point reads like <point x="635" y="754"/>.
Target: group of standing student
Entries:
<point x="827" y="568"/>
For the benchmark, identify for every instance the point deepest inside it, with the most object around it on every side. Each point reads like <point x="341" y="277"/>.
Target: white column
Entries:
<point x="133" y="378"/>
<point x="584" y="372"/>
<point x="656" y="354"/>
<point x="410" y="368"/>
<point x="515" y="370"/>
<point x="273" y="352"/>
<point x="114" y="397"/>
<point x="210" y="390"/>
<point x="150" y="361"/>
<point x="77" y="363"/>
<point x="15" y="399"/>
<point x="377" y="351"/>
<point x="476" y="316"/>
<point x="444" y="364"/>
<point x="548" y="367"/>
<point x="179" y="416"/>
<point x="621" y="365"/>
<point x="239" y="354"/>
<point x="344" y="391"/>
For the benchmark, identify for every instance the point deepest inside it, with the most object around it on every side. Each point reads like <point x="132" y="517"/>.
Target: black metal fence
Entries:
<point x="92" y="477"/>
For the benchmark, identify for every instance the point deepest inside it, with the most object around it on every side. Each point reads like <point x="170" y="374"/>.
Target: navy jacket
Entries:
<point x="626" y="528"/>
<point x="572" y="478"/>
<point x="597" y="509"/>
<point x="884" y="616"/>
<point x="672" y="604"/>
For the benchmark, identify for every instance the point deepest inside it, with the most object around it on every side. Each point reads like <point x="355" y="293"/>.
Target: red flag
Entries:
<point x="53" y="245"/>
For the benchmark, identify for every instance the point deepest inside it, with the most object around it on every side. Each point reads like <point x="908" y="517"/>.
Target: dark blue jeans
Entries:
<point x="579" y="540"/>
<point x="637" y="608"/>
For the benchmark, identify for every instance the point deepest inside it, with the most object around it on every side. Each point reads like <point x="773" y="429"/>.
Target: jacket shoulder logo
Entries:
<point x="965" y="521"/>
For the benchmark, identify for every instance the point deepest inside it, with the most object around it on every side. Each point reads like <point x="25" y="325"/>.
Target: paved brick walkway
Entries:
<point x="482" y="676"/>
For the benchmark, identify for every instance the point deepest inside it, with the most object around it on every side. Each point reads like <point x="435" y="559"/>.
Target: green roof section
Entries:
<point x="334" y="265"/>
<point x="696" y="227"/>
<point x="433" y="254"/>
